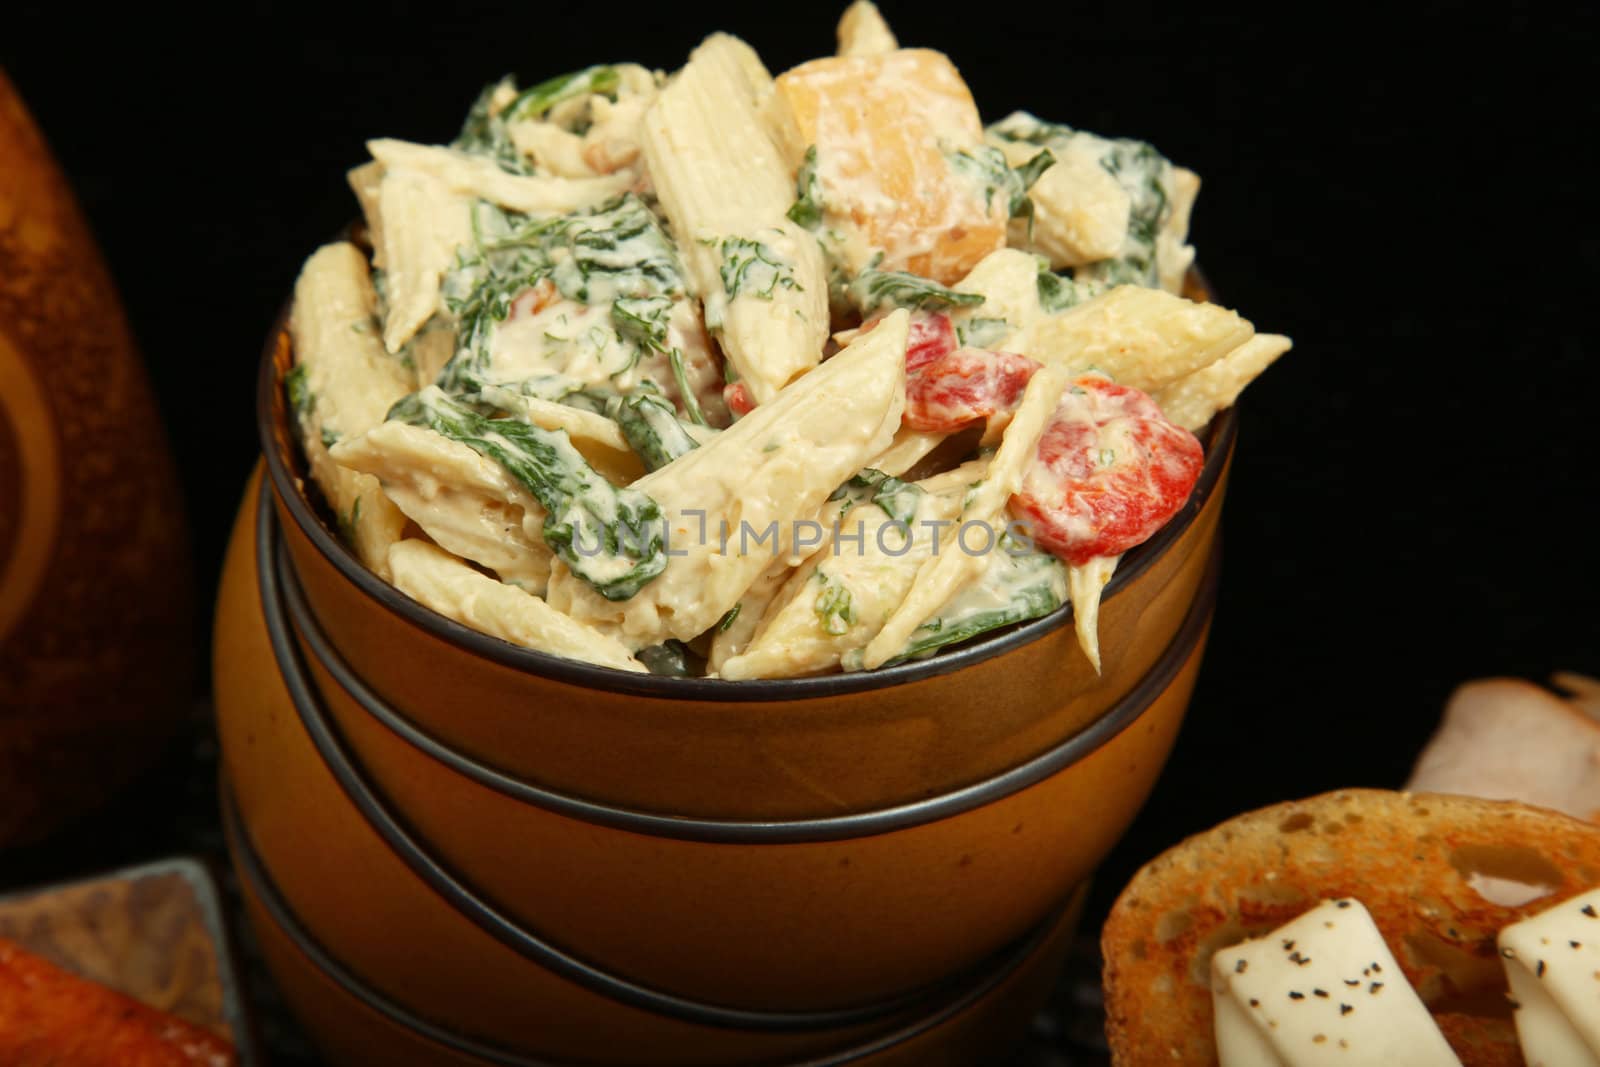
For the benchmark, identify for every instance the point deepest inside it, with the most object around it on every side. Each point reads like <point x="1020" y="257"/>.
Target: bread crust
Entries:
<point x="1412" y="859"/>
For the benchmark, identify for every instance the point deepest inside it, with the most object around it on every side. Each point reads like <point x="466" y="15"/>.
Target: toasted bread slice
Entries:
<point x="1412" y="859"/>
<point x="1507" y="739"/>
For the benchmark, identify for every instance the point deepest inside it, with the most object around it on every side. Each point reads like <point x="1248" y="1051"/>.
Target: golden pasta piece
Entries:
<point x="365" y="181"/>
<point x="1144" y="338"/>
<point x="863" y="32"/>
<point x="343" y="383"/>
<point x="887" y="129"/>
<point x="1192" y="400"/>
<point x="553" y="149"/>
<point x="440" y="581"/>
<point x="1174" y="256"/>
<point x="1084" y="586"/>
<point x="953" y="567"/>
<point x="1080" y="210"/>
<point x="482" y="179"/>
<point x="424" y="222"/>
<point x="733" y="632"/>
<point x="465" y="502"/>
<point x="839" y="599"/>
<point x="738" y="503"/>
<point x="726" y="192"/>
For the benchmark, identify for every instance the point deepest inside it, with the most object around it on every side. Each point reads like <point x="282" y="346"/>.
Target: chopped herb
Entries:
<point x="643" y="319"/>
<point x="652" y="428"/>
<point x="833" y="606"/>
<point x="751" y="268"/>
<point x="1057" y="294"/>
<point x="897" y="499"/>
<point x="981" y="333"/>
<point x="484" y="133"/>
<point x="691" y="404"/>
<point x="534" y="103"/>
<point x="1016" y="586"/>
<point x="728" y="617"/>
<point x="611" y="538"/>
<point x="807" y="209"/>
<point x="298" y="388"/>
<point x="986" y="165"/>
<point x="874" y="289"/>
<point x="330" y="437"/>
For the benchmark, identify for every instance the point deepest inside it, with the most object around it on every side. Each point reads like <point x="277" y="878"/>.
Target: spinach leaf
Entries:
<point x="897" y="499"/>
<point x="1019" y="584"/>
<point x="612" y="538"/>
<point x="833" y="605"/>
<point x="751" y="268"/>
<point x="652" y="428"/>
<point x="484" y="133"/>
<point x="873" y="289"/>
<point x="534" y="103"/>
<point x="807" y="209"/>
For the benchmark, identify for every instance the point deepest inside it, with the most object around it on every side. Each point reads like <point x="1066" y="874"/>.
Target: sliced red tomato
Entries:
<point x="1109" y="472"/>
<point x="960" y="387"/>
<point x="737" y="396"/>
<point x="931" y="335"/>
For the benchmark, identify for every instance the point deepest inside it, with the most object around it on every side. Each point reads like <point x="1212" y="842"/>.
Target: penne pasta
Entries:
<point x="1084" y="586"/>
<point x="760" y="277"/>
<point x="424" y="223"/>
<point x="342" y="384"/>
<point x="1192" y="400"/>
<point x="478" y="178"/>
<point x="466" y="503"/>
<point x="862" y="31"/>
<point x="1144" y="338"/>
<point x="751" y="376"/>
<point x="437" y="580"/>
<point x="950" y="570"/>
<point x="734" y="505"/>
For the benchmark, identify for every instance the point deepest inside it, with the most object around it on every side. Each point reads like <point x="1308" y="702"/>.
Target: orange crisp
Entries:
<point x="50" y="1018"/>
<point x="885" y="128"/>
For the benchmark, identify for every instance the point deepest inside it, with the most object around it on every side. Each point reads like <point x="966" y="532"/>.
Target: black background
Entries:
<point x="1409" y="195"/>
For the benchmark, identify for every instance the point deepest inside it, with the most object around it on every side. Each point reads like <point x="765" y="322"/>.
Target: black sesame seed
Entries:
<point x="1345" y="1009"/>
<point x="1341" y="904"/>
<point x="1516" y="1005"/>
<point x="1320" y="993"/>
<point x="1376" y="969"/>
<point x="1588" y="909"/>
<point x="1540" y="969"/>
<point x="1575" y="944"/>
<point x="1238" y="968"/>
<point x="1254" y="1003"/>
<point x="1288" y="945"/>
<point x="1296" y="996"/>
<point x="1374" y="987"/>
<point x="1352" y="981"/>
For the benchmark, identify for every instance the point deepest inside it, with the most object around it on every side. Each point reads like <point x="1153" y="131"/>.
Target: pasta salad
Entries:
<point x="719" y="373"/>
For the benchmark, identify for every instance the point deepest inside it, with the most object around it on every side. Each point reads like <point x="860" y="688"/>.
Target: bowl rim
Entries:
<point x="294" y="632"/>
<point x="289" y="489"/>
<point x="257" y="881"/>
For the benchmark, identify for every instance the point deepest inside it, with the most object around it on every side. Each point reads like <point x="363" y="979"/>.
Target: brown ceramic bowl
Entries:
<point x="354" y="1024"/>
<point x="785" y="866"/>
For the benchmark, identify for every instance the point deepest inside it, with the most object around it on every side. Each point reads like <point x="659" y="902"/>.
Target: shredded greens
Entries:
<point x="611" y="538"/>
